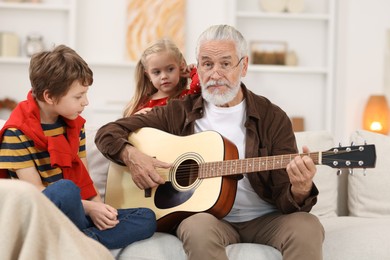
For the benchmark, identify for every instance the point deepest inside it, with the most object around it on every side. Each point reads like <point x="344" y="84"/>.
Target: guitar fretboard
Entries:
<point x="233" y="167"/>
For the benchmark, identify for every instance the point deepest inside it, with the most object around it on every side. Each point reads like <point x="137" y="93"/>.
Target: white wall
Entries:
<point x="360" y="60"/>
<point x="102" y="26"/>
<point x="100" y="41"/>
<point x="200" y="15"/>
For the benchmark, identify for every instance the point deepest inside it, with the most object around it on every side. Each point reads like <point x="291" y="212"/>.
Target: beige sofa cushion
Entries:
<point x="97" y="163"/>
<point x="355" y="238"/>
<point x="164" y="246"/>
<point x="326" y="177"/>
<point x="369" y="195"/>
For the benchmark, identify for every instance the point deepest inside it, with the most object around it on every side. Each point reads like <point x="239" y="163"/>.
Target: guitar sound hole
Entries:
<point x="187" y="173"/>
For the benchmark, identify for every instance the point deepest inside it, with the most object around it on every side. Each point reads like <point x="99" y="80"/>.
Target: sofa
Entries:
<point x="354" y="208"/>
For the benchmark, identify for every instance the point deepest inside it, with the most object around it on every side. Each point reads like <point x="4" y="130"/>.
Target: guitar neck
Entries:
<point x="257" y="164"/>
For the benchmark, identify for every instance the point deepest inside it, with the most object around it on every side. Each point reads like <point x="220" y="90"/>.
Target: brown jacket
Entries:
<point x="269" y="132"/>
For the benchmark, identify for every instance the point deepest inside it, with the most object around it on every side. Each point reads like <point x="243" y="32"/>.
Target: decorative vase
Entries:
<point x="34" y="44"/>
<point x="273" y="5"/>
<point x="295" y="6"/>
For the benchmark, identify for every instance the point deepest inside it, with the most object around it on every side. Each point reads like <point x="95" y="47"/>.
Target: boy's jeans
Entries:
<point x="134" y="224"/>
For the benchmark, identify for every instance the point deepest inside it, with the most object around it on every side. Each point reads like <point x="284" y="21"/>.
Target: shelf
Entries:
<point x="125" y="64"/>
<point x="287" y="69"/>
<point x="310" y="34"/>
<point x="109" y="110"/>
<point x="37" y="6"/>
<point x="14" y="60"/>
<point x="130" y="64"/>
<point x="286" y="16"/>
<point x="109" y="64"/>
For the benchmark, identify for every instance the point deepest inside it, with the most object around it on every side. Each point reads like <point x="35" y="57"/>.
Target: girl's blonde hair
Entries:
<point x="144" y="87"/>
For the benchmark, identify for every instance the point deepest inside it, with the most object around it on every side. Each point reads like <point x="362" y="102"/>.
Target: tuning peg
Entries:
<point x="364" y="172"/>
<point x="340" y="144"/>
<point x="350" y="171"/>
<point x="365" y="142"/>
<point x="352" y="143"/>
<point x="339" y="172"/>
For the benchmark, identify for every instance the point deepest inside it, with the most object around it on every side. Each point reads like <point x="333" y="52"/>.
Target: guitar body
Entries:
<point x="197" y="180"/>
<point x="184" y="193"/>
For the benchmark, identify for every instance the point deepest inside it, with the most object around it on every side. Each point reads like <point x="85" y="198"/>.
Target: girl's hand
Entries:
<point x="185" y="72"/>
<point x="103" y="216"/>
<point x="143" y="111"/>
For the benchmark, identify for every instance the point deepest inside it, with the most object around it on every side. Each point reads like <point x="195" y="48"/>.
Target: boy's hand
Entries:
<point x="103" y="216"/>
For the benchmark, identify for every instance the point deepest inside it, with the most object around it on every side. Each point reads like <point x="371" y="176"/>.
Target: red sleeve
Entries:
<point x="195" y="84"/>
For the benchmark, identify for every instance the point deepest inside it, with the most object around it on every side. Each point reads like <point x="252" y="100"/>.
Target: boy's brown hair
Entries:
<point x="56" y="70"/>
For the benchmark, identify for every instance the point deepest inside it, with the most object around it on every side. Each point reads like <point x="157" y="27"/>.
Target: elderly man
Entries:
<point x="270" y="207"/>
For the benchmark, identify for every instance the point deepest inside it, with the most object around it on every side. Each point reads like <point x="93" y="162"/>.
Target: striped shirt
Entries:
<point x="17" y="151"/>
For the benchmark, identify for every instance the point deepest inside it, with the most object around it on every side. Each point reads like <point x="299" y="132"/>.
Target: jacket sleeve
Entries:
<point x="285" y="143"/>
<point x="273" y="135"/>
<point x="111" y="138"/>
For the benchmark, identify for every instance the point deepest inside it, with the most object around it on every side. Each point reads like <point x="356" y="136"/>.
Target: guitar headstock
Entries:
<point x="355" y="156"/>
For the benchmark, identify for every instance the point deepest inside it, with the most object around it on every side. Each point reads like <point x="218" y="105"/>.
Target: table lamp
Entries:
<point x="376" y="117"/>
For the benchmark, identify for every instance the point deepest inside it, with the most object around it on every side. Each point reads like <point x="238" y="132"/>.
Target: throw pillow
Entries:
<point x="326" y="177"/>
<point x="97" y="163"/>
<point x="368" y="195"/>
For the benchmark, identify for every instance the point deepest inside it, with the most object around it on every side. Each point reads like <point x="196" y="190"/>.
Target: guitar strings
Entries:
<point x="191" y="170"/>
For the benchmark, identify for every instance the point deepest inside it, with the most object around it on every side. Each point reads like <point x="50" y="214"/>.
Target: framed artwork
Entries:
<point x="150" y="20"/>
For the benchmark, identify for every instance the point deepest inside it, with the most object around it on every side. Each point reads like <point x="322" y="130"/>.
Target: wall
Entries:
<point x="102" y="26"/>
<point x="360" y="60"/>
<point x="101" y="42"/>
<point x="99" y="29"/>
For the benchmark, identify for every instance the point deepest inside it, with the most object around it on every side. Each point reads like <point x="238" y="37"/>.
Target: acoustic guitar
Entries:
<point x="202" y="176"/>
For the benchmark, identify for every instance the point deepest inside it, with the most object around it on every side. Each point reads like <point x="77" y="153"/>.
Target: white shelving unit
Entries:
<point x="91" y="37"/>
<point x="99" y="39"/>
<point x="55" y="20"/>
<point x="311" y="35"/>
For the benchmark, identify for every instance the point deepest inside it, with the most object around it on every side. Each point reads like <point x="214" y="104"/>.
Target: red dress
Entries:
<point x="194" y="88"/>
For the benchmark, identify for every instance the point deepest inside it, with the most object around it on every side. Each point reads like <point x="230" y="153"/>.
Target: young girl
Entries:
<point x="161" y="74"/>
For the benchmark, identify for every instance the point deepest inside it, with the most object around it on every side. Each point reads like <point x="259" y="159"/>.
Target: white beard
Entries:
<point x="216" y="98"/>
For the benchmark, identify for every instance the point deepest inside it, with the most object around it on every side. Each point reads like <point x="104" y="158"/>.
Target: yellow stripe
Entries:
<point x="16" y="165"/>
<point x="83" y="154"/>
<point x="53" y="132"/>
<point x="43" y="161"/>
<point x="51" y="172"/>
<point x="12" y="139"/>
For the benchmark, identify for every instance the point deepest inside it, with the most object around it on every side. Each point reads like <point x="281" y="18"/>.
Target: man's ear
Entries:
<point x="48" y="98"/>
<point x="245" y="62"/>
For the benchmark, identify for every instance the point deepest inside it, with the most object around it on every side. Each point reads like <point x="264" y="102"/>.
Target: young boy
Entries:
<point x="43" y="143"/>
